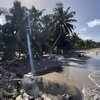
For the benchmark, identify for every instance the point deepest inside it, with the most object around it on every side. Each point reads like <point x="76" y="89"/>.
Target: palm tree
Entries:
<point x="7" y="37"/>
<point x="19" y="21"/>
<point x="35" y="17"/>
<point x="62" y="23"/>
<point x="47" y="41"/>
<point x="16" y="17"/>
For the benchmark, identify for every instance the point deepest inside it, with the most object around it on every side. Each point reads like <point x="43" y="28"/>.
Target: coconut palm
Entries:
<point x="16" y="17"/>
<point x="19" y="21"/>
<point x="36" y="29"/>
<point x="62" y="23"/>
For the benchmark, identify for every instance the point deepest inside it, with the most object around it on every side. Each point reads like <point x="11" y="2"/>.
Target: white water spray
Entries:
<point x="29" y="45"/>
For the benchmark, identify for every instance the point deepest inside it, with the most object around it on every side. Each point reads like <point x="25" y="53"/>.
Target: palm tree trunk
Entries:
<point x="55" y="42"/>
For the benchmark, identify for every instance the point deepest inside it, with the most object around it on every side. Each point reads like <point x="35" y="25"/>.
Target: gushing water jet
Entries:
<point x="29" y="46"/>
<point x="28" y="82"/>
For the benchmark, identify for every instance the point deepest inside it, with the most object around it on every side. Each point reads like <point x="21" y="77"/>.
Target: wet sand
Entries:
<point x="71" y="76"/>
<point x="75" y="74"/>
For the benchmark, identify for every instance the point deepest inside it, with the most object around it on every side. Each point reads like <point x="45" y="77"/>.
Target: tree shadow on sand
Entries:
<point x="57" y="69"/>
<point x="59" y="89"/>
<point x="79" y="60"/>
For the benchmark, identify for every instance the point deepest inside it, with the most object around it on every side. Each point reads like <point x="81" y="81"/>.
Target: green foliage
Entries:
<point x="78" y="43"/>
<point x="62" y="24"/>
<point x="8" y="39"/>
<point x="15" y="93"/>
<point x="51" y="32"/>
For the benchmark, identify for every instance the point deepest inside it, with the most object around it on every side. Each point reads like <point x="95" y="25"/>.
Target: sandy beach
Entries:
<point x="67" y="73"/>
<point x="76" y="72"/>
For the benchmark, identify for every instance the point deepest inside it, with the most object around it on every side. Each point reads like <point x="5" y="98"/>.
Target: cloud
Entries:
<point x="83" y="29"/>
<point x="86" y="37"/>
<point x="1" y="22"/>
<point x="94" y="23"/>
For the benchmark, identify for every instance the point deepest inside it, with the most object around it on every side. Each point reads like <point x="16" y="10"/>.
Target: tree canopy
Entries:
<point x="50" y="32"/>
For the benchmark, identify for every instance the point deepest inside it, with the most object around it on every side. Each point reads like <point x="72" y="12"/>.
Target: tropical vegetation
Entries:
<point x="50" y="33"/>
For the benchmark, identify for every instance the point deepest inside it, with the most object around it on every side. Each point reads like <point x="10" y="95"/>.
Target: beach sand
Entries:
<point x="76" y="73"/>
<point x="66" y="73"/>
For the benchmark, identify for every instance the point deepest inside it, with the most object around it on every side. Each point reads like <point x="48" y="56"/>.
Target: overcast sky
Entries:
<point x="87" y="13"/>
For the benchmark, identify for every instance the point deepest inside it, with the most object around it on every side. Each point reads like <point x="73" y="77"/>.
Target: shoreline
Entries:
<point x="77" y="72"/>
<point x="92" y="79"/>
<point x="73" y="75"/>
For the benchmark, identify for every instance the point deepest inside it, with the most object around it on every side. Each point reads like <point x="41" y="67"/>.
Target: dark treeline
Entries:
<point x="51" y="33"/>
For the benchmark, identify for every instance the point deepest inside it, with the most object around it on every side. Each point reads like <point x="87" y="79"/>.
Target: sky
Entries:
<point x="87" y="14"/>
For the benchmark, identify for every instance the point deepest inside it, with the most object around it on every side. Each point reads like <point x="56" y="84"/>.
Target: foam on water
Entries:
<point x="95" y="78"/>
<point x="91" y="93"/>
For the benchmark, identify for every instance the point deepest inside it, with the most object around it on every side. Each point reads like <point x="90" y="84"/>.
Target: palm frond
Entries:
<point x="70" y="15"/>
<point x="70" y="20"/>
<point x="67" y="11"/>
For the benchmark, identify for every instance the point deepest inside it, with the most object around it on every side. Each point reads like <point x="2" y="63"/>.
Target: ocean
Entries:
<point x="93" y="92"/>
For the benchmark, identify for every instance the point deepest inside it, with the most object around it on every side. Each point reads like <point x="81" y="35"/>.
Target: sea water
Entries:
<point x="93" y="93"/>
